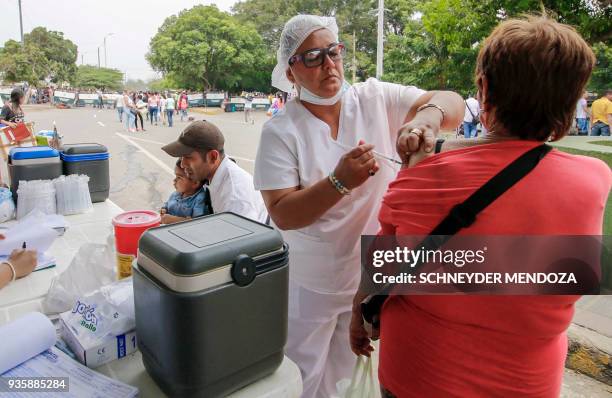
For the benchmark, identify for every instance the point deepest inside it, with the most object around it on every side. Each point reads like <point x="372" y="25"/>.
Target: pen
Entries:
<point x="378" y="154"/>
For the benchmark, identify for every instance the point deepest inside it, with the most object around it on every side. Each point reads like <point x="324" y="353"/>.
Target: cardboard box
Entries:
<point x="109" y="350"/>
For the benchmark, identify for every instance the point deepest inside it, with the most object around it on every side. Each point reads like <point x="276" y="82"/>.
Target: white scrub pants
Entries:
<point x="318" y="339"/>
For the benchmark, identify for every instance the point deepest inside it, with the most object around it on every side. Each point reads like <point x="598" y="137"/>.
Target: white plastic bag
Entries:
<point x="363" y="383"/>
<point x="93" y="266"/>
<point x="35" y="194"/>
<point x="7" y="206"/>
<point x="107" y="312"/>
<point x="72" y="194"/>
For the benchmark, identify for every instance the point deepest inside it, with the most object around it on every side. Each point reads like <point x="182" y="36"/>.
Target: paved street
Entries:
<point x="141" y="173"/>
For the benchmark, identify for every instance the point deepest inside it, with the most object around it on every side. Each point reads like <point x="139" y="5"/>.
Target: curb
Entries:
<point x="589" y="353"/>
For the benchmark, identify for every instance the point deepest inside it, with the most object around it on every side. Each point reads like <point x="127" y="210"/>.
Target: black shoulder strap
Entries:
<point x="474" y="119"/>
<point x="461" y="216"/>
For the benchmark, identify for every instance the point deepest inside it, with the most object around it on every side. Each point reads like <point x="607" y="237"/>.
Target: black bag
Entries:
<point x="475" y="120"/>
<point x="461" y="216"/>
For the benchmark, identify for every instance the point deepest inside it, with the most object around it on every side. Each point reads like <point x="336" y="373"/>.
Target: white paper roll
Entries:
<point x="25" y="338"/>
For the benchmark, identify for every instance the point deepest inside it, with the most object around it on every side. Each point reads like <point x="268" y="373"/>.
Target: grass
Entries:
<point x="605" y="143"/>
<point x="606" y="157"/>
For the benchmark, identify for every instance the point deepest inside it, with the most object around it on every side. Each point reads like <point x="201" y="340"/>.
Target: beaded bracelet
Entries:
<point x="338" y="185"/>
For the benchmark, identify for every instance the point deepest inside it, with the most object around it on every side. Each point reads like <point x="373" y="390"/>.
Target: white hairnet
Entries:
<point x="296" y="30"/>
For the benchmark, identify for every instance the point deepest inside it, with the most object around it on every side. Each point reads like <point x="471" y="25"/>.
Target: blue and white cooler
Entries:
<point x="91" y="160"/>
<point x="33" y="163"/>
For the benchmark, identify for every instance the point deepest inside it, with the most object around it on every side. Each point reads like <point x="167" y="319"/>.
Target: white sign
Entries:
<point x="194" y="97"/>
<point x="88" y="96"/>
<point x="111" y="96"/>
<point x="63" y="94"/>
<point x="261" y="101"/>
<point x="6" y="90"/>
<point x="237" y="100"/>
<point x="215" y="96"/>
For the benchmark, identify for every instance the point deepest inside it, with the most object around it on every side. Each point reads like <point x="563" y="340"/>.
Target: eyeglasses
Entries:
<point x="316" y="56"/>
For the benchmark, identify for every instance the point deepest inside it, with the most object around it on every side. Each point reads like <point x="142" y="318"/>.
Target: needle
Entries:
<point x="380" y="155"/>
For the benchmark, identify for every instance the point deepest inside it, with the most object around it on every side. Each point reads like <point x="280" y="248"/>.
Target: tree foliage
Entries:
<point x="45" y="56"/>
<point x="431" y="43"/>
<point x="205" y="48"/>
<point x="91" y="77"/>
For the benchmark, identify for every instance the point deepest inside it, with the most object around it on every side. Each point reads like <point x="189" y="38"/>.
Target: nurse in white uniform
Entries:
<point x="322" y="179"/>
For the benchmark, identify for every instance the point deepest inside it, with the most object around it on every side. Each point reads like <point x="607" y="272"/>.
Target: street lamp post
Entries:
<point x="20" y="22"/>
<point x="105" y="56"/>
<point x="98" y="57"/>
<point x="379" y="41"/>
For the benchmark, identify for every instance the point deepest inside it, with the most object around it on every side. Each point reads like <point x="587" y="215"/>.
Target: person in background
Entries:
<point x="248" y="108"/>
<point x="170" y="106"/>
<point x="130" y="112"/>
<point x="183" y="104"/>
<point x="601" y="115"/>
<point x="141" y="109"/>
<point x="188" y="201"/>
<point x="19" y="264"/>
<point x="495" y="346"/>
<point x="153" y="107"/>
<point x="162" y="109"/>
<point x="119" y="107"/>
<point x="201" y="149"/>
<point x="471" y="117"/>
<point x="582" y="114"/>
<point x="12" y="113"/>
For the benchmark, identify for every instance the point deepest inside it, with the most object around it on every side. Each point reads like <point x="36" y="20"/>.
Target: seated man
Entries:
<point x="200" y="147"/>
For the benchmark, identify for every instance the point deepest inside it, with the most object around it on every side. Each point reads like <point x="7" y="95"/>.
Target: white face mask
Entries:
<point x="308" y="96"/>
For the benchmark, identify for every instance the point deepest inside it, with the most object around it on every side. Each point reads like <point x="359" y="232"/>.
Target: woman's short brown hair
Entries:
<point x="536" y="70"/>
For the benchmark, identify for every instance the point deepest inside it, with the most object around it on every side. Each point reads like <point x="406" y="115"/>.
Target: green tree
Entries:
<point x="22" y="63"/>
<point x="91" y="77"/>
<point x="45" y="55"/>
<point x="60" y="53"/>
<point x="601" y="80"/>
<point x="207" y="49"/>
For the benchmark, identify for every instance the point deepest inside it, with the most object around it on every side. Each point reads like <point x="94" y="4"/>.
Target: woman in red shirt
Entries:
<point x="494" y="346"/>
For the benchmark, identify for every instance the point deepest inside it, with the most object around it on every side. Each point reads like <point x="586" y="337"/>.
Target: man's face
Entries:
<point x="609" y="95"/>
<point x="196" y="166"/>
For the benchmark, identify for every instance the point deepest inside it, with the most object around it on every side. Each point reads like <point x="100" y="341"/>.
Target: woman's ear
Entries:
<point x="289" y="75"/>
<point x="483" y="90"/>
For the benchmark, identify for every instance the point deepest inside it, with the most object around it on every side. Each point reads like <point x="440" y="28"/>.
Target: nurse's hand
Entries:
<point x="356" y="166"/>
<point x="358" y="335"/>
<point x="415" y="136"/>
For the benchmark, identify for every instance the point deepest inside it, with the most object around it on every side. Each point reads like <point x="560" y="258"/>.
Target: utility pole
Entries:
<point x="20" y="22"/>
<point x="379" y="41"/>
<point x="98" y="57"/>
<point x="354" y="59"/>
<point x="105" y="56"/>
<point x="82" y="58"/>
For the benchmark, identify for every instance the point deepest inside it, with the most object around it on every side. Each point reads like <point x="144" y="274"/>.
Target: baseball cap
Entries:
<point x="198" y="136"/>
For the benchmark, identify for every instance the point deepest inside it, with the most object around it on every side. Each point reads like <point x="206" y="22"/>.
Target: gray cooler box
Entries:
<point x="33" y="163"/>
<point x="91" y="160"/>
<point x="210" y="297"/>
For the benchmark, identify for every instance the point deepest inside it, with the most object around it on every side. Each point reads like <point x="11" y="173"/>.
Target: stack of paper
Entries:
<point x="38" y="232"/>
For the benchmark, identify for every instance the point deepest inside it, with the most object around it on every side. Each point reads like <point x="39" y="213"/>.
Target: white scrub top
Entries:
<point x="231" y="189"/>
<point x="296" y="149"/>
